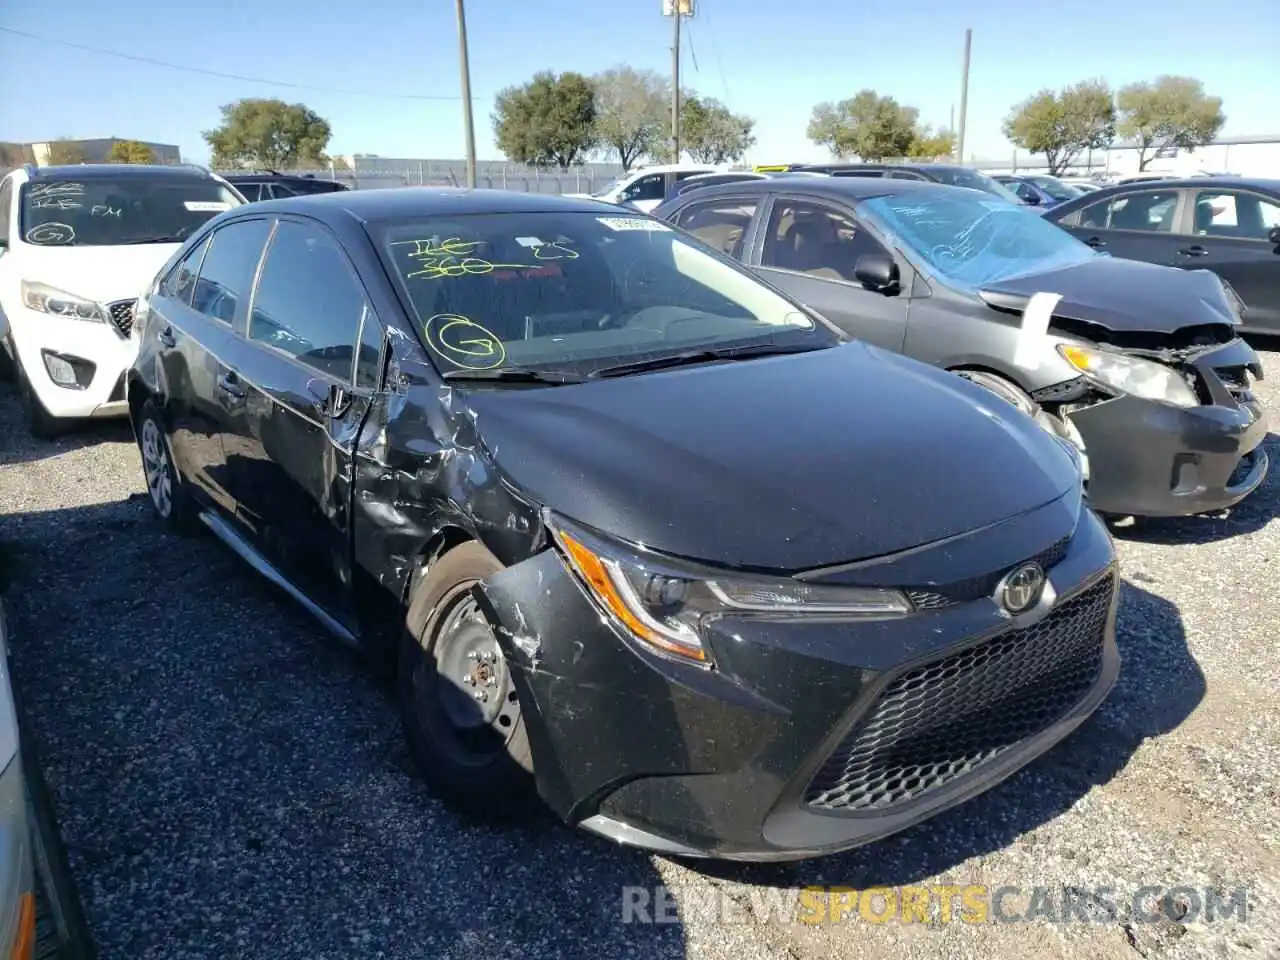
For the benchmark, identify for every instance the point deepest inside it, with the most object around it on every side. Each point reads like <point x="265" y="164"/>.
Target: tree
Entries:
<point x="710" y="133"/>
<point x="927" y="145"/>
<point x="868" y="126"/>
<point x="550" y="121"/>
<point x="268" y="133"/>
<point x="131" y="151"/>
<point x="1170" y="112"/>
<point x="339" y="163"/>
<point x="65" y="150"/>
<point x="1062" y="124"/>
<point x="632" y="112"/>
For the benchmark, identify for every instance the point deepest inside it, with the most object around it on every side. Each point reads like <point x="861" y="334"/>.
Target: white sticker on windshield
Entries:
<point x="634" y="223"/>
<point x="206" y="206"/>
<point x="529" y="242"/>
<point x="1035" y="325"/>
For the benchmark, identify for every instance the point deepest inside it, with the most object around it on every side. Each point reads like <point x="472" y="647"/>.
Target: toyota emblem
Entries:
<point x="1021" y="589"/>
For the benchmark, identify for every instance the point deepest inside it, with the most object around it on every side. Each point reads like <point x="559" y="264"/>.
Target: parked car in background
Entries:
<point x="1083" y="185"/>
<point x="646" y="187"/>
<point x="79" y="244"/>
<point x="947" y="173"/>
<point x="530" y="429"/>
<point x="699" y="180"/>
<point x="1230" y="225"/>
<point x="270" y="185"/>
<point x="1139" y="366"/>
<point x="1038" y="190"/>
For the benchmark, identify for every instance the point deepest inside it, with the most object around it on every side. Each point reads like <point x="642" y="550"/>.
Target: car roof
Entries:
<point x="396" y="203"/>
<point x="102" y="171"/>
<point x="1259" y="183"/>
<point x="837" y="188"/>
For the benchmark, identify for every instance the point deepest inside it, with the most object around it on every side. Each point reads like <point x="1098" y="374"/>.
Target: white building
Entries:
<point x="1257" y="156"/>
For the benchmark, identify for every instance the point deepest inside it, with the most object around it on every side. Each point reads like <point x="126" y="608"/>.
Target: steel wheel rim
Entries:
<point x="476" y="699"/>
<point x="156" y="468"/>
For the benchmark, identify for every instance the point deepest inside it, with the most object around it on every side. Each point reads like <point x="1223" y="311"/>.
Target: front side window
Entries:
<point x="719" y="223"/>
<point x="814" y="239"/>
<point x="969" y="240"/>
<point x="1239" y="216"/>
<point x="180" y="284"/>
<point x="578" y="292"/>
<point x="652" y="187"/>
<point x="1150" y="212"/>
<point x="107" y="211"/>
<point x="226" y="273"/>
<point x="308" y="302"/>
<point x="1055" y="188"/>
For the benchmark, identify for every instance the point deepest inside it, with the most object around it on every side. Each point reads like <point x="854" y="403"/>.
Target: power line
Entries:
<point x="225" y="76"/>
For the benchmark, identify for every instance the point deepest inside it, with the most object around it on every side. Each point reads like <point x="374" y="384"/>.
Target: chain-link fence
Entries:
<point x="374" y="173"/>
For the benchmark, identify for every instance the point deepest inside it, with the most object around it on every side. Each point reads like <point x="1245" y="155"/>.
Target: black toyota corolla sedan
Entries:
<point x="642" y="536"/>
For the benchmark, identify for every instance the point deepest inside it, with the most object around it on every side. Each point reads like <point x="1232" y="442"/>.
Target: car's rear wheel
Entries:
<point x="461" y="712"/>
<point x="169" y="496"/>
<point x="40" y="422"/>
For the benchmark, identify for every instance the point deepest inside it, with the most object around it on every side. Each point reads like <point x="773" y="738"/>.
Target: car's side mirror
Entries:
<point x="1031" y="199"/>
<point x="878" y="272"/>
<point x="1274" y="236"/>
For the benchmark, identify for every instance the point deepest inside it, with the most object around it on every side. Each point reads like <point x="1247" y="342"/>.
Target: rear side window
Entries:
<point x="719" y="223"/>
<point x="252" y="191"/>
<point x="309" y="303"/>
<point x="181" y="281"/>
<point x="226" y="274"/>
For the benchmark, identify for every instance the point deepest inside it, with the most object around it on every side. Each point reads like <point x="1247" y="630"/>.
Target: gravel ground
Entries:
<point x="232" y="784"/>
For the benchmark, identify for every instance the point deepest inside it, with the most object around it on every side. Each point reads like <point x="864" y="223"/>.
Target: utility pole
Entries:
<point x="675" y="9"/>
<point x="964" y="96"/>
<point x="468" y="124"/>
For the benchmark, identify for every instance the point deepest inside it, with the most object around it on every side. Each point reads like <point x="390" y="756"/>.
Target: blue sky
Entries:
<point x="770" y="60"/>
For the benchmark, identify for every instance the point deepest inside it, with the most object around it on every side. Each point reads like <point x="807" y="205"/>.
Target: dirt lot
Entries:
<point x="231" y="784"/>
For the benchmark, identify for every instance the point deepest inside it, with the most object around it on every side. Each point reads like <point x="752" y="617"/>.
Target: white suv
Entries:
<point x="78" y="244"/>
<point x="646" y="187"/>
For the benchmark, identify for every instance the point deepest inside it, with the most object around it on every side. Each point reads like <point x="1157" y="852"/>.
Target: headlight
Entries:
<point x="59" y="303"/>
<point x="667" y="606"/>
<point x="1132" y="375"/>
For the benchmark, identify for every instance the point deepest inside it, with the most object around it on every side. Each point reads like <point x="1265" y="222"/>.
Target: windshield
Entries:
<point x="970" y="240"/>
<point x="105" y="211"/>
<point x="610" y="187"/>
<point x="1055" y="188"/>
<point x="964" y="177"/>
<point x="578" y="292"/>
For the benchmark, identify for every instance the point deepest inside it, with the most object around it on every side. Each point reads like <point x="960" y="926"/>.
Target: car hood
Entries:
<point x="98" y="273"/>
<point x="1121" y="295"/>
<point x="784" y="463"/>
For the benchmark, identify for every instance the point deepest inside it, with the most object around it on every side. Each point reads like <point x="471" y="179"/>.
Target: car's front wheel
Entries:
<point x="461" y="712"/>
<point x="168" y="493"/>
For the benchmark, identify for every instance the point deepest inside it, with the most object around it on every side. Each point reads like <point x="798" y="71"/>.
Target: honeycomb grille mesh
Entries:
<point x="943" y="719"/>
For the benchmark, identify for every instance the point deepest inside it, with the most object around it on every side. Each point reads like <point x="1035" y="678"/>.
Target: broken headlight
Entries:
<point x="1131" y="375"/>
<point x="666" y="605"/>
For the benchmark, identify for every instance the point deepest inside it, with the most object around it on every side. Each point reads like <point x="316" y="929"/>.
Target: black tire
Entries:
<point x="166" y="489"/>
<point x="6" y="362"/>
<point x="40" y="422"/>
<point x="475" y="756"/>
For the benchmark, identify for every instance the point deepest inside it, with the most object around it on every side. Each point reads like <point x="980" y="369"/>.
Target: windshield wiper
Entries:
<point x="690" y="357"/>
<point x="159" y="238"/>
<point x="516" y="375"/>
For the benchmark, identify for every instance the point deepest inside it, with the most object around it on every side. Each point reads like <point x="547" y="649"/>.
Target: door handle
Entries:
<point x="1194" y="251"/>
<point x="1096" y="242"/>
<point x="229" y="383"/>
<point x="166" y="338"/>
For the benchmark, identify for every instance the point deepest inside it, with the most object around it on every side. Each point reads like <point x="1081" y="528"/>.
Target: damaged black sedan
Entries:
<point x="1140" y="366"/>
<point x="642" y="536"/>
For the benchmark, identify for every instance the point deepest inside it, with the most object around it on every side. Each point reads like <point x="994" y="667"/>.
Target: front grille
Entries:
<point x="121" y="313"/>
<point x="941" y="720"/>
<point x="975" y="588"/>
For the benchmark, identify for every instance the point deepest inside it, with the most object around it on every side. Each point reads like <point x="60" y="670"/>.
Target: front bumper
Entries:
<point x="1153" y="459"/>
<point x="808" y="737"/>
<point x="100" y="352"/>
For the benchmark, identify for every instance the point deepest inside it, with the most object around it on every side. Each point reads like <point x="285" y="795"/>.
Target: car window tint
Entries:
<point x="719" y="223"/>
<point x="181" y="281"/>
<point x="308" y="302"/>
<point x="252" y="191"/>
<point x="226" y="273"/>
<point x="1150" y="211"/>
<point x="813" y="239"/>
<point x="368" y="370"/>
<point x="1240" y="216"/>
<point x="652" y="187"/>
<point x="6" y="205"/>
